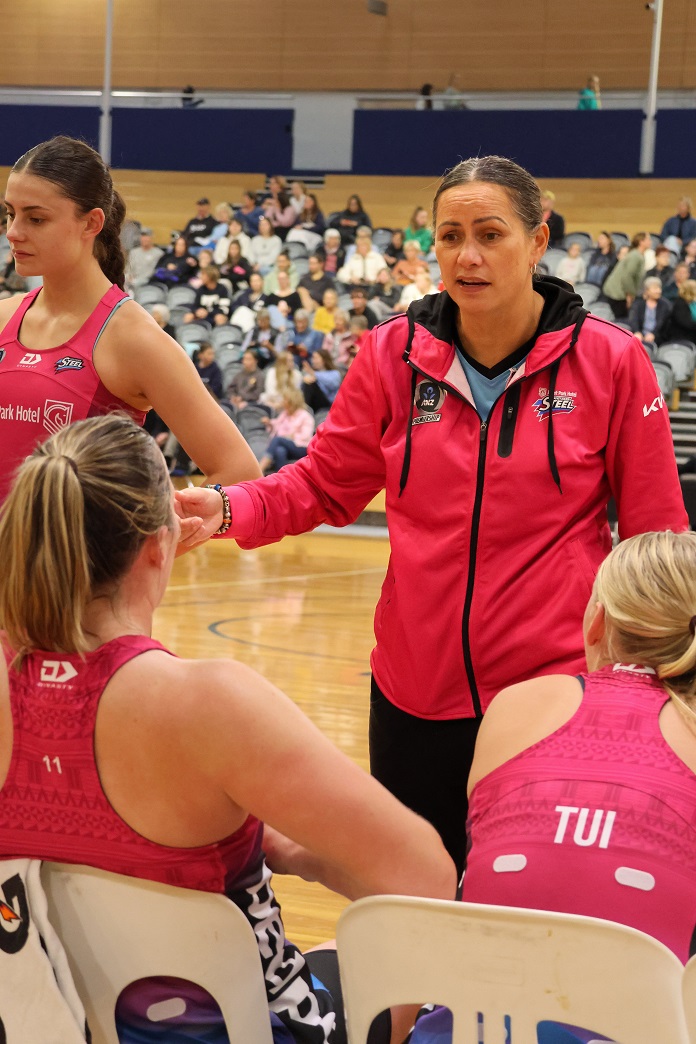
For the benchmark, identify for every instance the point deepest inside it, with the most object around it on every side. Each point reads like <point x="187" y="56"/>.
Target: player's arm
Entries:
<point x="143" y="366"/>
<point x="350" y="833"/>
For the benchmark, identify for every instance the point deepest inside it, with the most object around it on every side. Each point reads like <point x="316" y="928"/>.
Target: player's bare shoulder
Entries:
<point x="8" y="307"/>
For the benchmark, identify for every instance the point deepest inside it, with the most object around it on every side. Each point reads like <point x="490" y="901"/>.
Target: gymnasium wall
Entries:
<point x="296" y="45"/>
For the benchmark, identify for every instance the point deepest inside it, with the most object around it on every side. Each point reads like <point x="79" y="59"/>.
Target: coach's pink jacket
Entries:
<point x="497" y="526"/>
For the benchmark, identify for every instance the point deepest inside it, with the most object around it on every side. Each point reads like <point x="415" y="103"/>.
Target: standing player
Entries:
<point x="79" y="346"/>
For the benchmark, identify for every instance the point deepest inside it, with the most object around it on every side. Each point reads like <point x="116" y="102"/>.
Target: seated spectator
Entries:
<point x="349" y="220"/>
<point x="198" y="230"/>
<point x="682" y="321"/>
<point x="311" y="287"/>
<point x="320" y="380"/>
<point x="395" y="249"/>
<point x="160" y="313"/>
<point x="340" y="343"/>
<point x="208" y="370"/>
<point x="264" y="248"/>
<point x="300" y="338"/>
<point x="262" y="339"/>
<point x="359" y="329"/>
<point x="572" y="267"/>
<point x="358" y="297"/>
<point x="419" y="229"/>
<point x="663" y="266"/>
<point x="298" y="196"/>
<point x="247" y="385"/>
<point x="142" y="261"/>
<point x="176" y="265"/>
<point x="223" y="215"/>
<point x="280" y="378"/>
<point x="285" y="292"/>
<point x="363" y="267"/>
<point x="212" y="301"/>
<point x="235" y="268"/>
<point x="282" y="264"/>
<point x="332" y="253"/>
<point x="204" y="259"/>
<point x="681" y="228"/>
<point x="280" y="212"/>
<point x="690" y="257"/>
<point x="254" y="297"/>
<point x="679" y="277"/>
<point x="309" y="226"/>
<point x="325" y="315"/>
<point x="555" y="222"/>
<point x="291" y="432"/>
<point x="404" y="271"/>
<point x="385" y="294"/>
<point x="415" y="291"/>
<point x="234" y="234"/>
<point x="249" y="213"/>
<point x="602" y="260"/>
<point x="162" y="764"/>
<point x="649" y="315"/>
<point x="625" y="281"/>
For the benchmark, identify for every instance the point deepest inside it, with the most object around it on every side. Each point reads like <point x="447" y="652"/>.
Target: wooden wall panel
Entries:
<point x="330" y="45"/>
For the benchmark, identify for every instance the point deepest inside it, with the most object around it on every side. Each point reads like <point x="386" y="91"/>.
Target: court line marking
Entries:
<point x="274" y="579"/>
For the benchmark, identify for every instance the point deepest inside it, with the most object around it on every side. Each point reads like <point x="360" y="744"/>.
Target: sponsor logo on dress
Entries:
<point x="428" y="400"/>
<point x="15" y="411"/>
<point x="655" y="406"/>
<point x="69" y="362"/>
<point x="57" y="671"/>
<point x="563" y="402"/>
<point x="30" y="359"/>
<point x="57" y="415"/>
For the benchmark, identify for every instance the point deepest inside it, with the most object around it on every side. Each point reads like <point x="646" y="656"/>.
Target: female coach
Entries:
<point x="79" y="346"/>
<point x="501" y="418"/>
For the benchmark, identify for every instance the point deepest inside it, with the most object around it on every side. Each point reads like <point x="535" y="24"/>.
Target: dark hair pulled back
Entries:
<point x="498" y="170"/>
<point x="82" y="176"/>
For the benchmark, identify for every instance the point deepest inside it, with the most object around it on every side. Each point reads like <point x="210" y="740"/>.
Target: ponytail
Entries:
<point x="107" y="246"/>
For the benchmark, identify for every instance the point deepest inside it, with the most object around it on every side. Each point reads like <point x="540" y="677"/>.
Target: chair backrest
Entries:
<point x="381" y="238"/>
<point x="681" y="357"/>
<point x="665" y="376"/>
<point x="117" y="929"/>
<point x="528" y="965"/>
<point x="224" y="335"/>
<point x="295" y="250"/>
<point x="179" y="296"/>
<point x="583" y="238"/>
<point x="620" y="239"/>
<point x="602" y="310"/>
<point x="552" y="259"/>
<point x="192" y="333"/>
<point x="588" y="291"/>
<point x="149" y="295"/>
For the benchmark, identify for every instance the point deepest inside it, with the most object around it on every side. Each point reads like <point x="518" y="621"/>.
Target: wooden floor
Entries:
<point x="300" y="612"/>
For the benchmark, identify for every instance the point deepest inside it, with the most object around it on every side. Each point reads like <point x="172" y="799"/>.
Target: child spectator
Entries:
<point x="572" y="267"/>
<point x="212" y="301"/>
<point x="291" y="431"/>
<point x="236" y="269"/>
<point x="208" y="370"/>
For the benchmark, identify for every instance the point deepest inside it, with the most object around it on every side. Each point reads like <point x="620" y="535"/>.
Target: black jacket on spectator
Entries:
<point x="599" y="266"/>
<point x="316" y="287"/>
<point x="198" y="228"/>
<point x="215" y="300"/>
<point x="682" y="325"/>
<point x="636" y="315"/>
<point x="212" y="378"/>
<point x="348" y="231"/>
<point x="556" y="229"/>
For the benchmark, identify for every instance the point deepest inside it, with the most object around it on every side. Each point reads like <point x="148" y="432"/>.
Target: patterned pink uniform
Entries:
<point x="597" y="819"/>
<point x="41" y="392"/>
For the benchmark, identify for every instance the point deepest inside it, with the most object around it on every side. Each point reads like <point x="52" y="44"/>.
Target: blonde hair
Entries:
<point x="294" y="398"/>
<point x="687" y="291"/>
<point x="647" y="586"/>
<point x="78" y="513"/>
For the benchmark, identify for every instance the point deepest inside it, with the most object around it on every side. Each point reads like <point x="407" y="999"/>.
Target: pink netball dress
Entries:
<point x="597" y="819"/>
<point x="41" y="392"/>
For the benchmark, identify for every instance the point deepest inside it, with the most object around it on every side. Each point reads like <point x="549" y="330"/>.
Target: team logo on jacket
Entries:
<point x="428" y="401"/>
<point x="57" y="415"/>
<point x="563" y="402"/>
<point x="69" y="362"/>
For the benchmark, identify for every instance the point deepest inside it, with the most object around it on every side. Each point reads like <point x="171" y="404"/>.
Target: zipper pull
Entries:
<point x="484" y="429"/>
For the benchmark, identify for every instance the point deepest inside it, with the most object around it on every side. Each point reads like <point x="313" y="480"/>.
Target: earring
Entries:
<point x="533" y="270"/>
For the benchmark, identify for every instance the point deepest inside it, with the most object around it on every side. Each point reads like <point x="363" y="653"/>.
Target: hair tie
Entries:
<point x="692" y="626"/>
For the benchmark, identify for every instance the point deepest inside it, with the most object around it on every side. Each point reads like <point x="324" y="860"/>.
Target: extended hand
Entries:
<point x="200" y="512"/>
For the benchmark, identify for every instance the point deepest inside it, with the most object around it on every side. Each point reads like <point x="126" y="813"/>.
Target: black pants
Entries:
<point x="619" y="308"/>
<point x="324" y="965"/>
<point x="425" y="764"/>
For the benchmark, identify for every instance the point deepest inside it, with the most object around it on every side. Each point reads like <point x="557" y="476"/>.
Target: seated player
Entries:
<point x="161" y="768"/>
<point x="583" y="789"/>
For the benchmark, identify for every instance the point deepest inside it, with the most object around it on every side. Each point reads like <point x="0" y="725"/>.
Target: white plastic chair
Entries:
<point x="118" y="929"/>
<point x="529" y="965"/>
